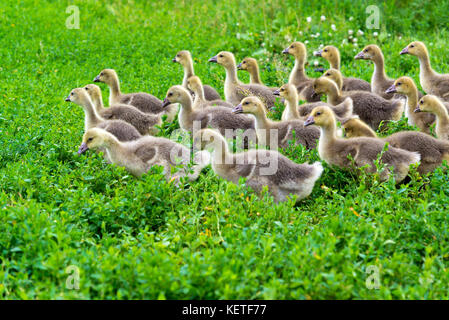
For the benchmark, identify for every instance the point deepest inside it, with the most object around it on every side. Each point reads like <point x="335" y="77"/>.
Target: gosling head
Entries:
<point x="194" y="83"/>
<point x="204" y="138"/>
<point x="370" y="52"/>
<point x="224" y="58"/>
<point x="323" y="85"/>
<point x="251" y="105"/>
<point x="78" y="96"/>
<point x="296" y="49"/>
<point x="93" y="91"/>
<point x="328" y="52"/>
<point x="428" y="103"/>
<point x="93" y="139"/>
<point x="183" y="57"/>
<point x="416" y="48"/>
<point x="286" y="91"/>
<point x="334" y="75"/>
<point x="175" y="94"/>
<point x="106" y="76"/>
<point x="321" y="116"/>
<point x="402" y="85"/>
<point x="249" y="64"/>
<point x="354" y="127"/>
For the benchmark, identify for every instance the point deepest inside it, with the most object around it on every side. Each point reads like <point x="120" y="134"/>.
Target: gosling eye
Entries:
<point x="90" y="139"/>
<point x="325" y="50"/>
<point x="221" y="56"/>
<point x="318" y="113"/>
<point x="178" y="55"/>
<point x="87" y="89"/>
<point x="282" y="89"/>
<point x="412" y="46"/>
<point x="292" y="46"/>
<point x="366" y="50"/>
<point x="399" y="83"/>
<point x="246" y="103"/>
<point x="328" y="74"/>
<point x="421" y="102"/>
<point x="101" y="74"/>
<point x="170" y="94"/>
<point x="71" y="93"/>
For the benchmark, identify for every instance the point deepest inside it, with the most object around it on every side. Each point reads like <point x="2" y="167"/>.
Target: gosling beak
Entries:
<point x="309" y="121"/>
<point x="359" y="55"/>
<point x="285" y="51"/>
<point x="83" y="148"/>
<point x="237" y="109"/>
<point x="417" y="110"/>
<point x="391" y="89"/>
<point x="174" y="60"/>
<point x="318" y="53"/>
<point x="165" y="103"/>
<point x="404" y="51"/>
<point x="214" y="59"/>
<point x="97" y="78"/>
<point x="277" y="92"/>
<point x="239" y="66"/>
<point x="68" y="98"/>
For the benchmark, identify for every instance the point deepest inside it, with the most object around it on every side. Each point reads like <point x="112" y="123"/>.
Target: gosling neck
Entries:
<point x="424" y="65"/>
<point x="199" y="95"/>
<point x="442" y="117"/>
<point x="412" y="100"/>
<point x="115" y="93"/>
<point x="262" y="122"/>
<point x="292" y="105"/>
<point x="328" y="132"/>
<point x="91" y="118"/>
<point x="221" y="153"/>
<point x="231" y="74"/>
<point x="333" y="95"/>
<point x="186" y="103"/>
<point x="188" y="72"/>
<point x="334" y="62"/>
<point x="379" y="68"/>
<point x="254" y="75"/>
<point x="298" y="74"/>
<point x="98" y="103"/>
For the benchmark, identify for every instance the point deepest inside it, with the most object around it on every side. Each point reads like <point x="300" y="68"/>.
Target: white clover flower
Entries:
<point x="330" y="34"/>
<point x="321" y="45"/>
<point x="355" y="44"/>
<point x="354" y="40"/>
<point x="360" y="32"/>
<point x="316" y="63"/>
<point x="306" y="42"/>
<point x="237" y="35"/>
<point x="351" y="18"/>
<point x="263" y="44"/>
<point x="399" y="37"/>
<point x="237" y="24"/>
<point x="375" y="33"/>
<point x="323" y="18"/>
<point x="309" y="19"/>
<point x="350" y="32"/>
<point x="300" y="33"/>
<point x="389" y="35"/>
<point x="317" y="35"/>
<point x="333" y="27"/>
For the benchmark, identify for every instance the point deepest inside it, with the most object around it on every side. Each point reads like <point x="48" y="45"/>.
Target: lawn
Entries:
<point x="130" y="238"/>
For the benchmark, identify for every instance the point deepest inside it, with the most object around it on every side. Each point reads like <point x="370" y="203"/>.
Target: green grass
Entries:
<point x="144" y="238"/>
